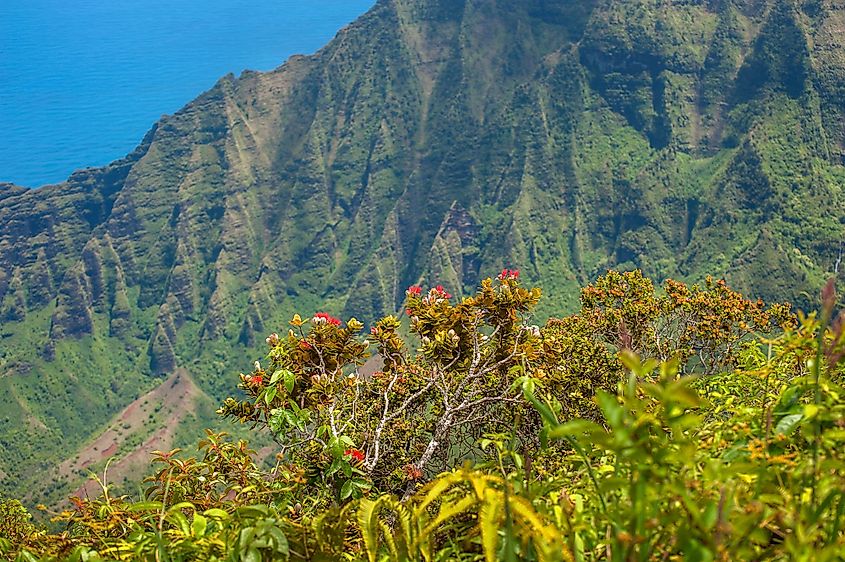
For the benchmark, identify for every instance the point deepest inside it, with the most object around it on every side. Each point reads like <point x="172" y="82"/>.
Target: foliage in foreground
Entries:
<point x="686" y="424"/>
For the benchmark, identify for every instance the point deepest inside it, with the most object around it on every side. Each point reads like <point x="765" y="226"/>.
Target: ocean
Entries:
<point x="81" y="81"/>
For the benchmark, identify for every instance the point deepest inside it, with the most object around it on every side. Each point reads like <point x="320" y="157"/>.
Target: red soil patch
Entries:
<point x="168" y="403"/>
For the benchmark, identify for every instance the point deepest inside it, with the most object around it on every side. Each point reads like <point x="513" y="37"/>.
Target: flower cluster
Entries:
<point x="412" y="472"/>
<point x="437" y="294"/>
<point x="508" y="274"/>
<point x="414" y="290"/>
<point x="355" y="454"/>
<point x="323" y="318"/>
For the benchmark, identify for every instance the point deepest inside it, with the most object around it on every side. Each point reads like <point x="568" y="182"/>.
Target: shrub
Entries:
<point x="15" y="523"/>
<point x="419" y="412"/>
<point x="689" y="424"/>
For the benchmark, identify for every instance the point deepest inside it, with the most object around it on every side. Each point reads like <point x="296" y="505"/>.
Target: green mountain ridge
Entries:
<point x="431" y="141"/>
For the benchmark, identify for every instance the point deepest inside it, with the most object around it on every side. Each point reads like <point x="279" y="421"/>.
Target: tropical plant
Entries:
<point x="704" y="427"/>
<point x="416" y="414"/>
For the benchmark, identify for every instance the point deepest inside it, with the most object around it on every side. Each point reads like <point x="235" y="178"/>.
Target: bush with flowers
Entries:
<point x="682" y="423"/>
<point x="420" y="412"/>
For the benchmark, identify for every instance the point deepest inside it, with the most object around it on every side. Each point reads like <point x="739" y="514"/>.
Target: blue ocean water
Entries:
<point x="81" y="81"/>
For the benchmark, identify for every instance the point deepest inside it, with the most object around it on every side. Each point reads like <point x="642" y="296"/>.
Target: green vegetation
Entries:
<point x="686" y="423"/>
<point x="425" y="144"/>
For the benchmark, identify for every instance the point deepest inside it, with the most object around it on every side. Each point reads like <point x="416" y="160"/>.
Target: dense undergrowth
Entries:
<point x="685" y="423"/>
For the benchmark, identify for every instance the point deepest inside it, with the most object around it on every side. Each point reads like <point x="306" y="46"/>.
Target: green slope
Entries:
<point x="432" y="141"/>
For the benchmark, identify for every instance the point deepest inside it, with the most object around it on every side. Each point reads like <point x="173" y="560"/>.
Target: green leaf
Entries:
<point x="252" y="511"/>
<point x="790" y="398"/>
<point x="276" y="376"/>
<point x="710" y="515"/>
<point x="145" y="506"/>
<point x="215" y="513"/>
<point x="26" y="556"/>
<point x="528" y="385"/>
<point x="810" y="411"/>
<point x="447" y="511"/>
<point x="277" y="419"/>
<point x="361" y="483"/>
<point x="544" y="411"/>
<point x="488" y="522"/>
<point x="368" y="522"/>
<point x="251" y="555"/>
<point x="334" y="467"/>
<point x="178" y="520"/>
<point x="290" y="381"/>
<point x="681" y="393"/>
<point x="575" y="428"/>
<point x="281" y="541"/>
<point x="182" y="505"/>
<point x="199" y="525"/>
<point x="633" y="363"/>
<point x="613" y="412"/>
<point x="787" y="424"/>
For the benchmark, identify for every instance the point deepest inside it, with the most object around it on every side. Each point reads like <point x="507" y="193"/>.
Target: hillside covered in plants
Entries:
<point x="429" y="143"/>
<point x="684" y="423"/>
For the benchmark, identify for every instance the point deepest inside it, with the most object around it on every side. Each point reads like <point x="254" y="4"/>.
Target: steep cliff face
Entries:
<point x="431" y="140"/>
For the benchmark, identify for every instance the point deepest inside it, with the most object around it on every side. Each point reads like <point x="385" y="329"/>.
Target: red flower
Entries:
<point x="304" y="344"/>
<point x="414" y="290"/>
<point x="356" y="455"/>
<point x="442" y="292"/>
<point x="412" y="472"/>
<point x="322" y="317"/>
<point x="508" y="274"/>
<point x="257" y="380"/>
